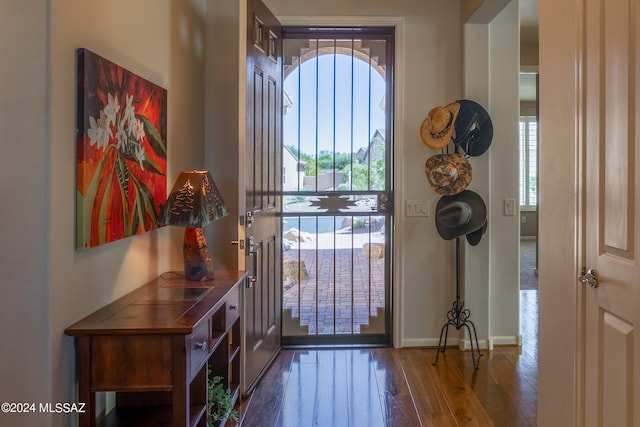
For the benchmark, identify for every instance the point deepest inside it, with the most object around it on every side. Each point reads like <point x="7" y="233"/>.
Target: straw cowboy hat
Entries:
<point x="448" y="174"/>
<point x="474" y="129"/>
<point x="437" y="128"/>
<point x="460" y="214"/>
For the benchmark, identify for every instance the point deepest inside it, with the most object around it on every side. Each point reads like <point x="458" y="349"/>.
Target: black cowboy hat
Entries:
<point x="474" y="237"/>
<point x="460" y="214"/>
<point x="473" y="128"/>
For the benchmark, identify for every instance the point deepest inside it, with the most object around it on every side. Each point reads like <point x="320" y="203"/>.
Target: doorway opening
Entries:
<point x="529" y="210"/>
<point x="528" y="180"/>
<point x="337" y="186"/>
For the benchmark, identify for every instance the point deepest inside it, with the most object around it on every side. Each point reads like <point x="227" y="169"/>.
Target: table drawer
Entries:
<point x="198" y="347"/>
<point x="233" y="306"/>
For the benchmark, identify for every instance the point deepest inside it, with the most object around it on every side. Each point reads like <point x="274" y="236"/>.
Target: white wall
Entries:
<point x="47" y="284"/>
<point x="504" y="278"/>
<point x="25" y="351"/>
<point x="529" y="56"/>
<point x="223" y="150"/>
<point x="492" y="267"/>
<point x="477" y="75"/>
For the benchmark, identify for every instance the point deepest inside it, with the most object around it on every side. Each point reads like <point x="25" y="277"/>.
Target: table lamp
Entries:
<point x="194" y="203"/>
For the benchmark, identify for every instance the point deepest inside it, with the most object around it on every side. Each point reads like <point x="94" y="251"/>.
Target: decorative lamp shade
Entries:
<point x="194" y="201"/>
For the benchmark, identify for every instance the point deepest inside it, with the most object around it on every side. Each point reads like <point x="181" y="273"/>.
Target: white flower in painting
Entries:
<point x="138" y="129"/>
<point x="99" y="132"/>
<point x="129" y="130"/>
<point x="111" y="109"/>
<point x="121" y="136"/>
<point x="140" y="154"/>
<point x="129" y="115"/>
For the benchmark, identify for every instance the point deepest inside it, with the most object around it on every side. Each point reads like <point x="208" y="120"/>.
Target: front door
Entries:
<point x="612" y="214"/>
<point x="262" y="293"/>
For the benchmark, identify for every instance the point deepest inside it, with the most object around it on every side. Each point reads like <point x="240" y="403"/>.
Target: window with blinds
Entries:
<point x="528" y="163"/>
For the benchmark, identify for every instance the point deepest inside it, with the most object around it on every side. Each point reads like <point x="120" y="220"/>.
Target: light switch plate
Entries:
<point x="509" y="207"/>
<point x="417" y="208"/>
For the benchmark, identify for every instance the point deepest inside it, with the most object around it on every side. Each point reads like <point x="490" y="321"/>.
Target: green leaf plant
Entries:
<point x="219" y="402"/>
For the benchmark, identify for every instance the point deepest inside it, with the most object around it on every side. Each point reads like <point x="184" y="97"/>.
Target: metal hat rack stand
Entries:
<point x="458" y="317"/>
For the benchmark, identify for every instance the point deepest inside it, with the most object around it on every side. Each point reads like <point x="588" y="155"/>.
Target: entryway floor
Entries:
<point x="400" y="387"/>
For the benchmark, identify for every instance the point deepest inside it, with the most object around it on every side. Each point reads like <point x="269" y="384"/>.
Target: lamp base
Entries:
<point x="198" y="265"/>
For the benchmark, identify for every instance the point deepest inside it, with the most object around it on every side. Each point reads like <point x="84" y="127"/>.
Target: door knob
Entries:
<point x="590" y="277"/>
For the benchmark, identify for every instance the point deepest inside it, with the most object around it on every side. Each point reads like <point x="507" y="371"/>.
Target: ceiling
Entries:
<point x="529" y="21"/>
<point x="528" y="35"/>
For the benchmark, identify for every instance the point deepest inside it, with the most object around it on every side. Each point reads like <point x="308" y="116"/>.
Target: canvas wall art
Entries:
<point x="121" y="152"/>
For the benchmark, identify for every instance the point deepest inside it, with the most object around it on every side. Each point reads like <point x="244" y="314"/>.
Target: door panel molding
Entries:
<point x="618" y="116"/>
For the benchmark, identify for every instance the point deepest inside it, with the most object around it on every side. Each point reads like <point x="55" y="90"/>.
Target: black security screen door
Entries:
<point x="337" y="186"/>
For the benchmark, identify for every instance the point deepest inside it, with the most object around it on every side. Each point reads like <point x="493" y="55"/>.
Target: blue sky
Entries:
<point x="336" y="105"/>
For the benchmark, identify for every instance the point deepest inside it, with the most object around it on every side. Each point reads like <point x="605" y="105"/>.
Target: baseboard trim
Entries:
<point x="508" y="340"/>
<point x="464" y="345"/>
<point x="428" y="342"/>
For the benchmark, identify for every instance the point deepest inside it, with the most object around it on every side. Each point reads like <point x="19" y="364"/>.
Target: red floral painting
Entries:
<point x="121" y="152"/>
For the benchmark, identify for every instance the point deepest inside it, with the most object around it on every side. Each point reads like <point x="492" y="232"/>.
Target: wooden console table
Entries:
<point x="154" y="348"/>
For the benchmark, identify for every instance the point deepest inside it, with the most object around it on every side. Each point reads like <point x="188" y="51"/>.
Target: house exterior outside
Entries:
<point x="293" y="170"/>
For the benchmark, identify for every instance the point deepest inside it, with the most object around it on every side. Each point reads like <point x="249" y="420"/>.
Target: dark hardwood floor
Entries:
<point x="401" y="387"/>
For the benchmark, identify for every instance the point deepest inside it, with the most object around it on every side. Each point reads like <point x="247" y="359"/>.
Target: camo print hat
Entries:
<point x="448" y="174"/>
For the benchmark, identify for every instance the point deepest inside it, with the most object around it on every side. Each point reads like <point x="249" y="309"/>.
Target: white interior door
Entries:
<point x="612" y="223"/>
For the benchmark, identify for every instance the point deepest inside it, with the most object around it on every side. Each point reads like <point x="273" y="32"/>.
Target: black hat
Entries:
<point x="474" y="129"/>
<point x="460" y="214"/>
<point x="474" y="237"/>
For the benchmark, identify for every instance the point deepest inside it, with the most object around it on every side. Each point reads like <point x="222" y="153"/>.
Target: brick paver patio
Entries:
<point x="337" y="287"/>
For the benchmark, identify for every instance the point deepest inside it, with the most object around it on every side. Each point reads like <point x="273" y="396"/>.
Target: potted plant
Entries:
<point x="219" y="403"/>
